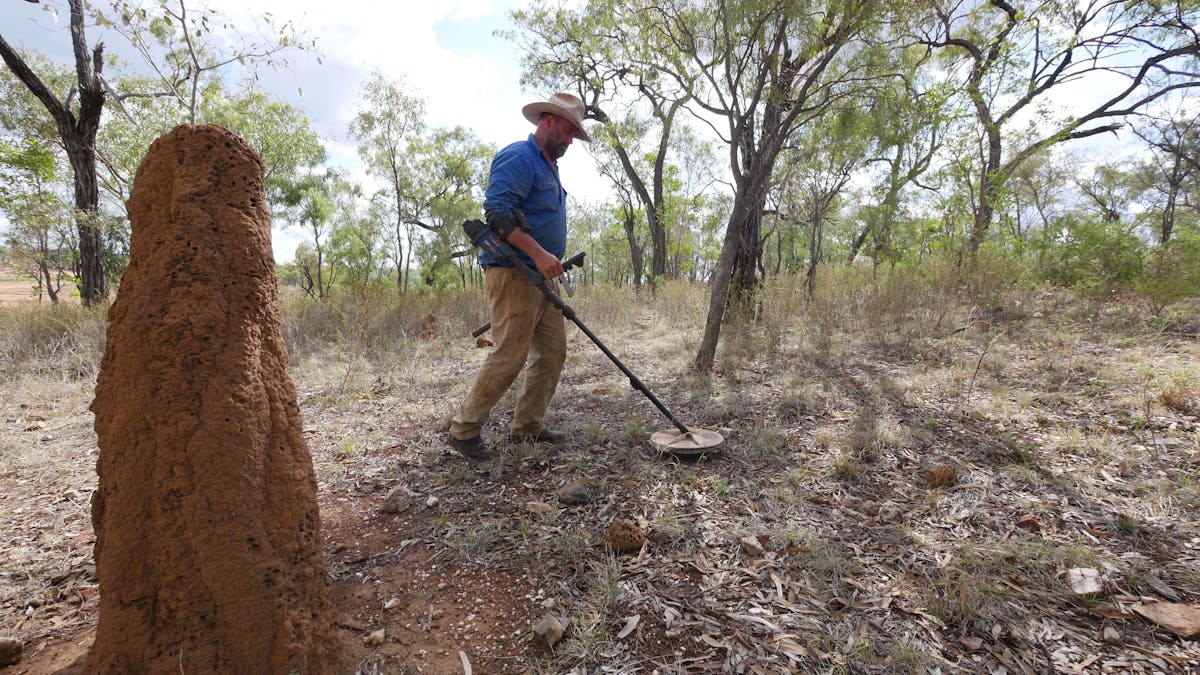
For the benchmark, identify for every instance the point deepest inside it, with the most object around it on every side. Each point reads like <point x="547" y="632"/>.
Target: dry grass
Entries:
<point x="62" y="340"/>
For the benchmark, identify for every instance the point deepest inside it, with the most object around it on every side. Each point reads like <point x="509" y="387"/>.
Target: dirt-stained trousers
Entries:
<point x="525" y="326"/>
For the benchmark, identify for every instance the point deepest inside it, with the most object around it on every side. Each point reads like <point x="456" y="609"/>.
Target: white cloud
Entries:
<point x="460" y="84"/>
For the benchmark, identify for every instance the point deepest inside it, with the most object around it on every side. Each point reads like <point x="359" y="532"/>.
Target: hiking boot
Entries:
<point x="471" y="448"/>
<point x="544" y="436"/>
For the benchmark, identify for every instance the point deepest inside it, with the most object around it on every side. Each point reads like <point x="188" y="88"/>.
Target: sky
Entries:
<point x="446" y="50"/>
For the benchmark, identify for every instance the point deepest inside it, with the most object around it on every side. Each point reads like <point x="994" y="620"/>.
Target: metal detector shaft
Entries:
<point x="487" y="240"/>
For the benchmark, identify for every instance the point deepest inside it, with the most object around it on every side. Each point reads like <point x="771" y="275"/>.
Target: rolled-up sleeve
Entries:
<point x="510" y="182"/>
<point x="521" y="179"/>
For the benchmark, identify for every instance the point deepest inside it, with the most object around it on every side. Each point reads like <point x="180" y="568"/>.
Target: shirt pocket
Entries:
<point x="546" y="194"/>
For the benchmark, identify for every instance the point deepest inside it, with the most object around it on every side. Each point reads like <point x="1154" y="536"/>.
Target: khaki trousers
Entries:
<point x="525" y="326"/>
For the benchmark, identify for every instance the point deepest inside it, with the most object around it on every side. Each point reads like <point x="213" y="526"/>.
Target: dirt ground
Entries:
<point x="12" y="289"/>
<point x="1018" y="493"/>
<point x="16" y="291"/>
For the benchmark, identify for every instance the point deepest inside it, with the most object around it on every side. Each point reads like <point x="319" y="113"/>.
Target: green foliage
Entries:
<point x="279" y="132"/>
<point x="1171" y="274"/>
<point x="187" y="44"/>
<point x="432" y="178"/>
<point x="40" y="237"/>
<point x="1091" y="255"/>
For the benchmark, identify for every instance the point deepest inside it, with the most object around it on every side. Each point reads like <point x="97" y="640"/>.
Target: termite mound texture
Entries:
<point x="208" y="544"/>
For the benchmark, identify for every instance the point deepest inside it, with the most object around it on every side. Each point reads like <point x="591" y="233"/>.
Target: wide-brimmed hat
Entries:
<point x="565" y="106"/>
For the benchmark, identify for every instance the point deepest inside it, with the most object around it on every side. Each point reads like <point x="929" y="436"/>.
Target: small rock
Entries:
<point x="538" y="508"/>
<point x="624" y="536"/>
<point x="1112" y="636"/>
<point x="398" y="500"/>
<point x="890" y="512"/>
<point x="972" y="643"/>
<point x="431" y="502"/>
<point x="11" y="651"/>
<point x="549" y="630"/>
<point x="940" y="475"/>
<point x="375" y="639"/>
<point x="575" y="492"/>
<point x="752" y="546"/>
<point x="392" y="602"/>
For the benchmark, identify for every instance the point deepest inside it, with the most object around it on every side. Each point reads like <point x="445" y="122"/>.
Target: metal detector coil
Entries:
<point x="680" y="441"/>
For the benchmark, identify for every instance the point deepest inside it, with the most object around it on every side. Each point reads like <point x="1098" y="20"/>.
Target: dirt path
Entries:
<point x="883" y="504"/>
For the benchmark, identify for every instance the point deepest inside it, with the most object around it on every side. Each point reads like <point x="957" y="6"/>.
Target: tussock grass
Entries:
<point x="378" y="322"/>
<point x="65" y="340"/>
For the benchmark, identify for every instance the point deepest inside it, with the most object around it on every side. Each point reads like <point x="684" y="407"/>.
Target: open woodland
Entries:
<point x="922" y="472"/>
<point x="932" y="268"/>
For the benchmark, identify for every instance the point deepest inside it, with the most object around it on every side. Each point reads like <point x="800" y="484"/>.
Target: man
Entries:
<point x="526" y="204"/>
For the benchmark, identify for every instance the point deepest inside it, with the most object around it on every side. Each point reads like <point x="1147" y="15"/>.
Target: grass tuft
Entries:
<point x="63" y="340"/>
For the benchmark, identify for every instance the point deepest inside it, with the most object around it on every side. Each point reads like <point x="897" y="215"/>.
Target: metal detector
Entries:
<point x="681" y="441"/>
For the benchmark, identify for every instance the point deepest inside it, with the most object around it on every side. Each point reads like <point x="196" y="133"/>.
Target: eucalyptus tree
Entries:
<point x="1169" y="175"/>
<point x="179" y="43"/>
<point x="603" y="57"/>
<point x="814" y="173"/>
<point x="625" y="210"/>
<point x="185" y="43"/>
<point x="356" y="242"/>
<point x="755" y="71"/>
<point x="449" y="170"/>
<point x="34" y="178"/>
<point x="312" y="202"/>
<point x="1038" y="195"/>
<point x="1019" y="59"/>
<point x="389" y="121"/>
<point x="76" y="116"/>
<point x="910" y="113"/>
<point x="1107" y="192"/>
<point x="39" y="247"/>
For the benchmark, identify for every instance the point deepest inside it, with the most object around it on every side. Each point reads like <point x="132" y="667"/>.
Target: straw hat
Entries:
<point x="565" y="106"/>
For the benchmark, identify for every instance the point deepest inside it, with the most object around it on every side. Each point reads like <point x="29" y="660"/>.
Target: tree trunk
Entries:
<point x="93" y="278"/>
<point x="78" y="135"/>
<point x="1174" y="185"/>
<point x="721" y="278"/>
<point x="815" y="241"/>
<point x="735" y="278"/>
<point x="637" y="258"/>
<point x="747" y="262"/>
<point x="857" y="243"/>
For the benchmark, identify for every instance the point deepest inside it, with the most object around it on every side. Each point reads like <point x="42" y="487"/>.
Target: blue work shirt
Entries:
<point x="523" y="179"/>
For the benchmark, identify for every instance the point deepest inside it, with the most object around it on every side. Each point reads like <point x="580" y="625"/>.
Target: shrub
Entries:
<point x="1092" y="256"/>
<point x="1171" y="274"/>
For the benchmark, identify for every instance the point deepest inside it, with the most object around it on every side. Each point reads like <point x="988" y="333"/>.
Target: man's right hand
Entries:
<point x="548" y="265"/>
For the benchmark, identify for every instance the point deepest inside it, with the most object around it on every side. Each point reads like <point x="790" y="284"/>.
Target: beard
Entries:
<point x="556" y="149"/>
